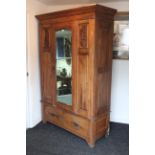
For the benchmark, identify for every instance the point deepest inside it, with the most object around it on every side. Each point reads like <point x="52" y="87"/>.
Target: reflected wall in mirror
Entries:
<point x="64" y="66"/>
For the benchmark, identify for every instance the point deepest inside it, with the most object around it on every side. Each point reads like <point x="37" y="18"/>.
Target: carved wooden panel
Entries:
<point x="46" y="39"/>
<point x="47" y="61"/>
<point x="83" y="35"/>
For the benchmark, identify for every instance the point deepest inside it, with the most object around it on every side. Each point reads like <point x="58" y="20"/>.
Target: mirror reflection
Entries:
<point x="64" y="66"/>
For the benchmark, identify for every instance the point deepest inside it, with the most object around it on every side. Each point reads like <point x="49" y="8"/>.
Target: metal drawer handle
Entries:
<point x="54" y="115"/>
<point x="76" y="125"/>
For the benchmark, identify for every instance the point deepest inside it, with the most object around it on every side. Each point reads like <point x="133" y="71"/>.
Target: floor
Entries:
<point x="48" y="139"/>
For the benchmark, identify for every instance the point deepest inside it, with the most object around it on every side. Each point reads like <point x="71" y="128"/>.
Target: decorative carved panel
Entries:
<point x="46" y="39"/>
<point x="83" y="35"/>
<point x="83" y="58"/>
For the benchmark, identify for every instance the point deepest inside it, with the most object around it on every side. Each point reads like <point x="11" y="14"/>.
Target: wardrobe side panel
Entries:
<point x="103" y="62"/>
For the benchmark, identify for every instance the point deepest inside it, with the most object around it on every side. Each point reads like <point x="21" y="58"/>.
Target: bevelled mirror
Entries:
<point x="64" y="66"/>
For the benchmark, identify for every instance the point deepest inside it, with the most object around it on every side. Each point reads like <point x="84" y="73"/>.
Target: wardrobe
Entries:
<point x="75" y="69"/>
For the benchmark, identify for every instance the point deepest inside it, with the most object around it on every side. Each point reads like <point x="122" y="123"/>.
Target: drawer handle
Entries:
<point x="54" y="115"/>
<point x="76" y="125"/>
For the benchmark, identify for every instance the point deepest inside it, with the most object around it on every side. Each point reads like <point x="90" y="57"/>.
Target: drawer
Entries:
<point x="53" y="116"/>
<point x="68" y="121"/>
<point x="76" y="124"/>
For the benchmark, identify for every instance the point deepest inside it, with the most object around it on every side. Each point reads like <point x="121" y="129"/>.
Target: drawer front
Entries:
<point x="68" y="121"/>
<point x="53" y="116"/>
<point x="76" y="124"/>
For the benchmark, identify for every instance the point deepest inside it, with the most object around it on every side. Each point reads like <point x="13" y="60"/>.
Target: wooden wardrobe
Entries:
<point x="76" y="65"/>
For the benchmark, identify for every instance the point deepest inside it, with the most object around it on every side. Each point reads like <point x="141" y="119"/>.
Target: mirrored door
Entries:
<point x="64" y="66"/>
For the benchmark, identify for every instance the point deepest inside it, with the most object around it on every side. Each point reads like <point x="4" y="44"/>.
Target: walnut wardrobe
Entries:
<point x="75" y="65"/>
